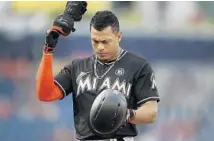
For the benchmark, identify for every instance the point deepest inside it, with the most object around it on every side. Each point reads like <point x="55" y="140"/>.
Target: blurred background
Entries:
<point x="176" y="37"/>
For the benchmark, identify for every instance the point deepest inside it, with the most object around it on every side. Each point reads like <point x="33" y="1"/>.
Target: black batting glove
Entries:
<point x="63" y="25"/>
<point x="76" y="9"/>
<point x="130" y="115"/>
<point x="51" y="39"/>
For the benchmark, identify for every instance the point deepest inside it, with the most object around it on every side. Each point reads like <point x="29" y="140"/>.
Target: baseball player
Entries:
<point x="111" y="67"/>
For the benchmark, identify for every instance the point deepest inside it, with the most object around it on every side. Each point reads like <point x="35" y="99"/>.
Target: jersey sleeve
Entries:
<point x="64" y="80"/>
<point x="145" y="88"/>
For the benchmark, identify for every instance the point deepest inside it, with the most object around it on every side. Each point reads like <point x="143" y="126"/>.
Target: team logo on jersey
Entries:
<point x="120" y="72"/>
<point x="81" y="75"/>
<point x="153" y="81"/>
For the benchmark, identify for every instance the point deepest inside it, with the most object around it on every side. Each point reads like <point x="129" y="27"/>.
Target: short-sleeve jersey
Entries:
<point x="86" y="78"/>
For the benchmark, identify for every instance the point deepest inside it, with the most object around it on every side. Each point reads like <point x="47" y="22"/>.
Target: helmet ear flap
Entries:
<point x="108" y="113"/>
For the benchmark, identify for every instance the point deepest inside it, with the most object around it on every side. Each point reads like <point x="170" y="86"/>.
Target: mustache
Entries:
<point x="101" y="52"/>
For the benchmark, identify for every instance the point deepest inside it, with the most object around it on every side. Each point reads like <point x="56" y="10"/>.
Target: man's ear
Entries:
<point x="119" y="36"/>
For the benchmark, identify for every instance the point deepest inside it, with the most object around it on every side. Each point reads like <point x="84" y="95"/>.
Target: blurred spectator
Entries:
<point x="206" y="123"/>
<point x="62" y="134"/>
<point x="164" y="15"/>
<point x="6" y="97"/>
<point x="121" y="6"/>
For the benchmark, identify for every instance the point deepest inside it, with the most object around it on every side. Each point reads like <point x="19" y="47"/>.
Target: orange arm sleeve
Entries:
<point x="45" y="88"/>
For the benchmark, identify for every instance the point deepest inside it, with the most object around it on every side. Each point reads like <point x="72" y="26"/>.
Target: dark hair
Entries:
<point x="104" y="19"/>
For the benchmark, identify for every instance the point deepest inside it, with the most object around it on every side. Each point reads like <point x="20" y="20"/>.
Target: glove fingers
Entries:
<point x="53" y="33"/>
<point x="64" y="24"/>
<point x="76" y="3"/>
<point x="51" y="38"/>
<point x="56" y="29"/>
<point x="76" y="9"/>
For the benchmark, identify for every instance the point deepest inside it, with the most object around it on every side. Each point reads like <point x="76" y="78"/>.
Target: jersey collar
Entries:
<point x="122" y="53"/>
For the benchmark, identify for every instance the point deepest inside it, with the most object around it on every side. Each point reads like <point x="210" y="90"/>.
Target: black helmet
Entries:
<point x="108" y="113"/>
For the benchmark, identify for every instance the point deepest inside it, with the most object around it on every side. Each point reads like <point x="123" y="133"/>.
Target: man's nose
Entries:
<point x="100" y="47"/>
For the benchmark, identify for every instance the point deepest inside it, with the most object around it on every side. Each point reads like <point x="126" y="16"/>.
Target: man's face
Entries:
<point x="105" y="43"/>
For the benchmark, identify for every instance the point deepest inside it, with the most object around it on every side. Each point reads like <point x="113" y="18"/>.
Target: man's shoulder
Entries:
<point x="136" y="59"/>
<point x="84" y="61"/>
<point x="142" y="65"/>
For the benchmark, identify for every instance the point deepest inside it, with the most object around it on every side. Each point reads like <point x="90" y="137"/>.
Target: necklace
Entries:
<point x="112" y="64"/>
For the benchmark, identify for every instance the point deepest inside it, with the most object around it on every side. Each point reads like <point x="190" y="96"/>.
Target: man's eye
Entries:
<point x="105" y="42"/>
<point x="95" y="42"/>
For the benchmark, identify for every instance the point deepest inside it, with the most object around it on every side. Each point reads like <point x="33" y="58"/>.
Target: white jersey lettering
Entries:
<point x="88" y="84"/>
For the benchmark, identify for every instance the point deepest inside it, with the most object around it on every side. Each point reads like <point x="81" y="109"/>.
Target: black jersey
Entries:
<point x="86" y="78"/>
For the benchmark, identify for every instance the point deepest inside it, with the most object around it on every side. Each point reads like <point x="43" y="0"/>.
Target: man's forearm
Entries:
<point x="146" y="113"/>
<point x="45" y="88"/>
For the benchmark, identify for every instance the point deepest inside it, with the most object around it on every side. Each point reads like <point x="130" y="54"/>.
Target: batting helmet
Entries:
<point x="108" y="113"/>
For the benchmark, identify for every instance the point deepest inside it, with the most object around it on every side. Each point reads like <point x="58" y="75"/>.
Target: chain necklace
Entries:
<point x="112" y="64"/>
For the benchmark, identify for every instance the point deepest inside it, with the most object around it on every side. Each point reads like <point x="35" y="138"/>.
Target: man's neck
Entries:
<point x="113" y="58"/>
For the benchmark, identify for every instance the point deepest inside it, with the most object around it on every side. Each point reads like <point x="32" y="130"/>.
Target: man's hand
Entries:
<point x="51" y="39"/>
<point x="130" y="115"/>
<point x="146" y="113"/>
<point x="64" y="23"/>
<point x="76" y="9"/>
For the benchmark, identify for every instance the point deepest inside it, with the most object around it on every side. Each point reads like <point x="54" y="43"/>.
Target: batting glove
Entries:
<point x="76" y="9"/>
<point x="130" y="115"/>
<point x="51" y="39"/>
<point x="62" y="25"/>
